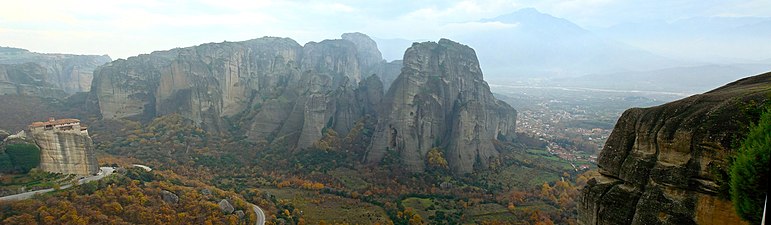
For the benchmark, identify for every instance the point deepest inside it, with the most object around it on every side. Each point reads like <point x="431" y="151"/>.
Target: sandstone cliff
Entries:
<point x="65" y="72"/>
<point x="371" y="59"/>
<point x="282" y="90"/>
<point x="441" y="100"/>
<point x="28" y="79"/>
<point x="662" y="165"/>
<point x="66" y="152"/>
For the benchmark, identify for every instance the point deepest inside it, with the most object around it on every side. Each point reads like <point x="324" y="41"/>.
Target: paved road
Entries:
<point x="147" y="168"/>
<point x="260" y="214"/>
<point x="103" y="172"/>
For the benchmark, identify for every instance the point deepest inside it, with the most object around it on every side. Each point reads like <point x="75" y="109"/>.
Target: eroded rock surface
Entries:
<point x="661" y="165"/>
<point x="67" y="152"/>
<point x="63" y="72"/>
<point x="278" y="90"/>
<point x="441" y="100"/>
<point x="28" y="79"/>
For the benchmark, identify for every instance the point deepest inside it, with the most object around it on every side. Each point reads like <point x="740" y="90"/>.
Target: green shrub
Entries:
<point x="23" y="157"/>
<point x="750" y="169"/>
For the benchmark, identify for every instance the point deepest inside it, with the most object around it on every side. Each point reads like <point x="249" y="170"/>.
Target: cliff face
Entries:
<point x="66" y="152"/>
<point x="289" y="92"/>
<point x="65" y="72"/>
<point x="371" y="59"/>
<point x="661" y="164"/>
<point x="441" y="100"/>
<point x="28" y="79"/>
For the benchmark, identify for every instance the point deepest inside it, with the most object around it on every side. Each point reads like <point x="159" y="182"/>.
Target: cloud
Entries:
<point x="147" y="25"/>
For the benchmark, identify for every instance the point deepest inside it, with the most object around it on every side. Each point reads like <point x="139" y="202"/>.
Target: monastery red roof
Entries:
<point x="54" y="122"/>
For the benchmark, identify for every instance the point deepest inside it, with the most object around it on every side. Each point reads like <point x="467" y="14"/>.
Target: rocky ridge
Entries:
<point x="60" y="72"/>
<point x="441" y="100"/>
<point x="663" y="165"/>
<point x="283" y="91"/>
<point x="279" y="92"/>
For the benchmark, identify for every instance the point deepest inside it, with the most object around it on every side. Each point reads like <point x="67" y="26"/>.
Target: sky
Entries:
<point x="123" y="28"/>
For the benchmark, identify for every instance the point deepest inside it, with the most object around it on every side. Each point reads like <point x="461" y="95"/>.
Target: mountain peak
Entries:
<point x="531" y="17"/>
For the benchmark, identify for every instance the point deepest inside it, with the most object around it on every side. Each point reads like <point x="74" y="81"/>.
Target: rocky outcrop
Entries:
<point x="372" y="61"/>
<point x="662" y="165"/>
<point x="440" y="100"/>
<point x="226" y="207"/>
<point x="67" y="152"/>
<point x="64" y="72"/>
<point x="169" y="197"/>
<point x="280" y="90"/>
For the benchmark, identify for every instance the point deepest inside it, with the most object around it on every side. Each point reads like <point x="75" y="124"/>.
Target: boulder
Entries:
<point x="169" y="197"/>
<point x="226" y="207"/>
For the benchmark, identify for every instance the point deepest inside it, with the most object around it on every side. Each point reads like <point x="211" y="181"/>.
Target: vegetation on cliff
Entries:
<point x="750" y="170"/>
<point x="19" y="158"/>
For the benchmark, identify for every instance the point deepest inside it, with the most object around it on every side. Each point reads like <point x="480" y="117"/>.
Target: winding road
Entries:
<point x="260" y="214"/>
<point x="103" y="172"/>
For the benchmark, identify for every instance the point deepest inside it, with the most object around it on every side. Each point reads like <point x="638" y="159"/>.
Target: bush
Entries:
<point x="749" y="171"/>
<point x="23" y="157"/>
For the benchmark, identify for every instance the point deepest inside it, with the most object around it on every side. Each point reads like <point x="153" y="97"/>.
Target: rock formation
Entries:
<point x="169" y="197"/>
<point x="662" y="165"/>
<point x="283" y="91"/>
<point x="28" y="79"/>
<point x="441" y="100"/>
<point x="370" y="57"/>
<point x="65" y="147"/>
<point x="63" y="72"/>
<point x="226" y="207"/>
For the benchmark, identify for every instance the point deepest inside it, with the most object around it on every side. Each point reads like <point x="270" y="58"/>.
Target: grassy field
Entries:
<point x="490" y="212"/>
<point x="331" y="209"/>
<point x="522" y="176"/>
<point x="349" y="178"/>
<point x="428" y="207"/>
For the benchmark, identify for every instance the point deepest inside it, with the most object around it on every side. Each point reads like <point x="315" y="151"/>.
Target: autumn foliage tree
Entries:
<point x="435" y="159"/>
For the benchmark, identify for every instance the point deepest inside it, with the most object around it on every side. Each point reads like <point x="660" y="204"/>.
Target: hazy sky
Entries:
<point x="126" y="28"/>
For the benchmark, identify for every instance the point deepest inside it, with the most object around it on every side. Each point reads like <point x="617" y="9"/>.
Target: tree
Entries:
<point x="749" y="172"/>
<point x="436" y="158"/>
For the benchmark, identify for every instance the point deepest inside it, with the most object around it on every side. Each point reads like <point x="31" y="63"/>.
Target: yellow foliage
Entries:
<point x="436" y="158"/>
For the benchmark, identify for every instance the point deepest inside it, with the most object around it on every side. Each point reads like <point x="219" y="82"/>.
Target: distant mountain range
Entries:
<point x="686" y="56"/>
<point x="540" y="45"/>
